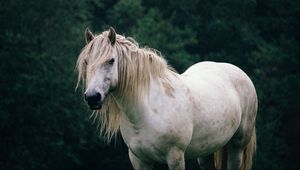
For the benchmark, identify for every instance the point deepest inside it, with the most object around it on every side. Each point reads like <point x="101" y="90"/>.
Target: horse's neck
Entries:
<point x="160" y="89"/>
<point x="133" y="107"/>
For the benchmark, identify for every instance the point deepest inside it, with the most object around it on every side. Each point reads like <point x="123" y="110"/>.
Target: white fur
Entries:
<point x="201" y="118"/>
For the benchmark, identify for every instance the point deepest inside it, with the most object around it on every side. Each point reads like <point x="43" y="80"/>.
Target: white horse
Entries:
<point x="164" y="116"/>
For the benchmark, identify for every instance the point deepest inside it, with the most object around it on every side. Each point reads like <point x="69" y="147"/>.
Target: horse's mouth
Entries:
<point x="98" y="107"/>
<point x="95" y="106"/>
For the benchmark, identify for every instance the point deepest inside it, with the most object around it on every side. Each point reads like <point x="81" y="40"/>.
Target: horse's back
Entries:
<point x="220" y="74"/>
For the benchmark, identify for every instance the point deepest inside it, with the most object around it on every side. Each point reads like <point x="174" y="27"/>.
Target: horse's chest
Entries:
<point x="152" y="145"/>
<point x="146" y="148"/>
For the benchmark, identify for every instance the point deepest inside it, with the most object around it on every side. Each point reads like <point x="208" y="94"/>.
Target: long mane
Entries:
<point x="136" y="67"/>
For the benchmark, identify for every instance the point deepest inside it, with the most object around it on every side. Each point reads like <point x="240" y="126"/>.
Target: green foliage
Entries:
<point x="276" y="80"/>
<point x="124" y="14"/>
<point x="44" y="123"/>
<point x="157" y="33"/>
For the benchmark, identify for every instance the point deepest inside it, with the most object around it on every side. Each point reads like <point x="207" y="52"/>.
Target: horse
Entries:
<point x="206" y="113"/>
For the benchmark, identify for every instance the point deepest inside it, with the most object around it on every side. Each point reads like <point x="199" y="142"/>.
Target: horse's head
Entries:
<point x="101" y="67"/>
<point x="113" y="62"/>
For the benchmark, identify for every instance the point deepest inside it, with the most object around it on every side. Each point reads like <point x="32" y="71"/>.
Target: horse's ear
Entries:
<point x="112" y="35"/>
<point x="88" y="35"/>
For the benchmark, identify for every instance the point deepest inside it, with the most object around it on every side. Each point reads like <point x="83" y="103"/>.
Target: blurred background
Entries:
<point x="44" y="122"/>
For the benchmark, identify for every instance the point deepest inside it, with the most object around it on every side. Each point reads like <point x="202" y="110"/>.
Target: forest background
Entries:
<point x="44" y="122"/>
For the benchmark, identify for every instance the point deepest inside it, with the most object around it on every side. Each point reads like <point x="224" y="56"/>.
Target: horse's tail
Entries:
<point x="220" y="155"/>
<point x="248" y="152"/>
<point x="219" y="160"/>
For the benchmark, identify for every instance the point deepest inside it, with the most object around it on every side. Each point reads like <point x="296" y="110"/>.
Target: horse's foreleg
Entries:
<point x="175" y="159"/>
<point x="138" y="164"/>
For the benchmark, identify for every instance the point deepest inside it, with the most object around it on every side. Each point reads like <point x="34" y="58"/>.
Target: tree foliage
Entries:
<point x="44" y="123"/>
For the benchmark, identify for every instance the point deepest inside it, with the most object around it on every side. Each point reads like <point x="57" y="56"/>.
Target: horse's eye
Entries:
<point x="111" y="61"/>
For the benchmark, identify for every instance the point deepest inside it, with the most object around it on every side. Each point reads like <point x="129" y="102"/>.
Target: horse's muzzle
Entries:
<point x="93" y="100"/>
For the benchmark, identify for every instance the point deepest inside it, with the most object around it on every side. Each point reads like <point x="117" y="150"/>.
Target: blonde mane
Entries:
<point x="136" y="67"/>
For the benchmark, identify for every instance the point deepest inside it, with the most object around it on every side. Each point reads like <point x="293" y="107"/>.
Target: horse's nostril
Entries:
<point x="98" y="96"/>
